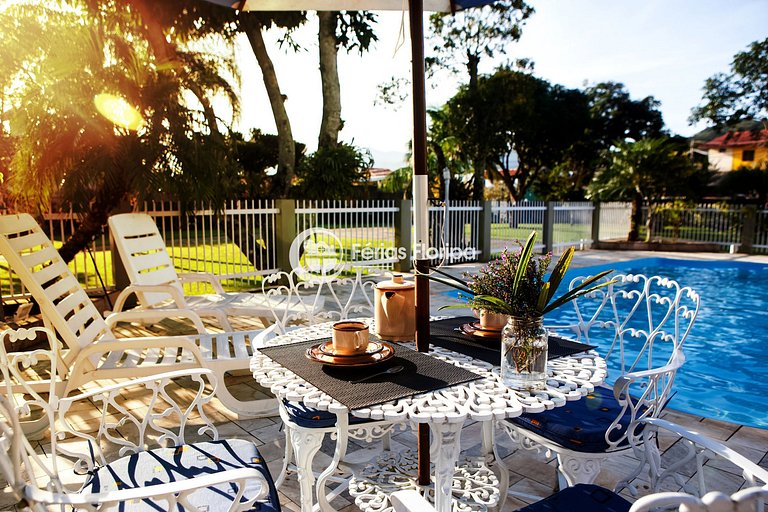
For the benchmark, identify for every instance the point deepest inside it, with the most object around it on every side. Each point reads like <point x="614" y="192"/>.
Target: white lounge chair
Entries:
<point x="93" y="352"/>
<point x="109" y="461"/>
<point x="157" y="285"/>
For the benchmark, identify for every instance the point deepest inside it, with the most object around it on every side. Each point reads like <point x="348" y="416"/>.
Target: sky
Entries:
<point x="660" y="48"/>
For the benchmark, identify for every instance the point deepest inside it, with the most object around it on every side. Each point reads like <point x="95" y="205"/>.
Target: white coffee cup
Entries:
<point x="350" y="337"/>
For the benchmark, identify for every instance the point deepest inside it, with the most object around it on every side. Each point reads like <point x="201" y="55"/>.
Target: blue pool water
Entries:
<point x="725" y="375"/>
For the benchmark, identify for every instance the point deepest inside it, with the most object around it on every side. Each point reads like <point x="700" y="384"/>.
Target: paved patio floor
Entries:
<point x="532" y="473"/>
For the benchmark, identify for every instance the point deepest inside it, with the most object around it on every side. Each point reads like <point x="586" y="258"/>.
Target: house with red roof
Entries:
<point x="735" y="150"/>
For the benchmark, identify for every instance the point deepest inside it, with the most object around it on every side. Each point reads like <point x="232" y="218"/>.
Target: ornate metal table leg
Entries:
<point x="306" y="444"/>
<point x="446" y="448"/>
<point x="342" y="427"/>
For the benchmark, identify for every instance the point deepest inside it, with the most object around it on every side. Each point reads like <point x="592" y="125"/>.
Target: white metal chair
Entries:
<point x="317" y="299"/>
<point x="682" y="478"/>
<point x="93" y="352"/>
<point x="157" y="285"/>
<point x="135" y="457"/>
<point x="321" y="299"/>
<point x="643" y="322"/>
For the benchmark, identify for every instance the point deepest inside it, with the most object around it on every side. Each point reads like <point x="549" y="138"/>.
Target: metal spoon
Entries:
<point x="393" y="369"/>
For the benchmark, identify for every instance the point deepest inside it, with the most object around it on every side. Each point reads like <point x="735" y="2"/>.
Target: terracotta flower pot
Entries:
<point x="491" y="321"/>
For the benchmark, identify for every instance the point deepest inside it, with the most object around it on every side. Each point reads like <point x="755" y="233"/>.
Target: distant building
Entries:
<point x="734" y="150"/>
<point x="378" y="173"/>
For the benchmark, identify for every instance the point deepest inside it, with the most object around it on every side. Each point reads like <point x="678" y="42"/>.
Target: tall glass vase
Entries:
<point x="524" y="353"/>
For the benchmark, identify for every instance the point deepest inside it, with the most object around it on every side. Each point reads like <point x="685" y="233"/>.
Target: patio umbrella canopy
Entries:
<point x="416" y="10"/>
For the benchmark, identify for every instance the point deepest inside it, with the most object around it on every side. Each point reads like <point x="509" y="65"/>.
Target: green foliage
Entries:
<point x="398" y="182"/>
<point x="258" y="159"/>
<point x="514" y="284"/>
<point x="475" y="33"/>
<point x="650" y="168"/>
<point x="745" y="184"/>
<point x="333" y="173"/>
<point x="740" y="94"/>
<point x="513" y="110"/>
<point x="354" y="30"/>
<point x="646" y="171"/>
<point x="64" y="145"/>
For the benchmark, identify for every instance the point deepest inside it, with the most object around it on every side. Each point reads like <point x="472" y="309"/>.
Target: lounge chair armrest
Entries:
<point x="203" y="277"/>
<point x="105" y="346"/>
<point x="240" y="475"/>
<point x="174" y="374"/>
<point x="172" y="291"/>
<point x="145" y="315"/>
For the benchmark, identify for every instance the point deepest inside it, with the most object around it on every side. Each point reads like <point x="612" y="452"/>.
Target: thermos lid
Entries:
<point x="396" y="283"/>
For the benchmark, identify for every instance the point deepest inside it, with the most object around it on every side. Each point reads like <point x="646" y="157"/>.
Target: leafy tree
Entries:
<point x="746" y="184"/>
<point x="259" y="160"/>
<point x="511" y="112"/>
<point x="350" y="30"/>
<point x="333" y="173"/>
<point x="739" y="95"/>
<point x="62" y="146"/>
<point x="468" y="36"/>
<point x="645" y="171"/>
<point x="613" y="115"/>
<point x="254" y="23"/>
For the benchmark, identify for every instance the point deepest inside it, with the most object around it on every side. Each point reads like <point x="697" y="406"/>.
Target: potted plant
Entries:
<point x="514" y="284"/>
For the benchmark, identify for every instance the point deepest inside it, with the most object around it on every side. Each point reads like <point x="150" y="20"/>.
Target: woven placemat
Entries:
<point x="421" y="373"/>
<point x="447" y="334"/>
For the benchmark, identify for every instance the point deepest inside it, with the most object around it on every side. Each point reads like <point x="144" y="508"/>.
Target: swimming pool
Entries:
<point x="725" y="375"/>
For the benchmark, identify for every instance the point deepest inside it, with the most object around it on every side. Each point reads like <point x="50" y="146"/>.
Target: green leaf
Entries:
<point x="455" y="306"/>
<point x="498" y="303"/>
<point x="559" y="272"/>
<point x="522" y="264"/>
<point x="452" y="284"/>
<point x="580" y="290"/>
<point x="446" y="274"/>
<point x="543" y="297"/>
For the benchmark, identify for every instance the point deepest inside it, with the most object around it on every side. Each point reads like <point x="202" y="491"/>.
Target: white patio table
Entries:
<point x="445" y="410"/>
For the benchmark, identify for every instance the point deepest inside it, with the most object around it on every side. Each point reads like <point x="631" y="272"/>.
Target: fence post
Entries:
<point x="286" y="232"/>
<point x="748" y="229"/>
<point x="484" y="236"/>
<point x="403" y="235"/>
<point x="595" y="223"/>
<point x="549" y="226"/>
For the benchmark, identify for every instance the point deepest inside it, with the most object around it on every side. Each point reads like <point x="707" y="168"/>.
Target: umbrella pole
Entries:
<point x="420" y="186"/>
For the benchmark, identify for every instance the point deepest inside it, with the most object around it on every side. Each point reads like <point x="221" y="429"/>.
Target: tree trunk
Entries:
<point x="106" y="199"/>
<point x="331" y="123"/>
<point x="478" y="160"/>
<point x="649" y="223"/>
<point x="636" y="219"/>
<point x="286" y="147"/>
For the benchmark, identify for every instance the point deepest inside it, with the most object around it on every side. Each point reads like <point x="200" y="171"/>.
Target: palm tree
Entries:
<point x="57" y="60"/>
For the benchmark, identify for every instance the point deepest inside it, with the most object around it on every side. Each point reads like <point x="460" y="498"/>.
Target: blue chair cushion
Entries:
<point x="179" y="463"/>
<point x="308" y="417"/>
<point x="581" y="498"/>
<point x="580" y="425"/>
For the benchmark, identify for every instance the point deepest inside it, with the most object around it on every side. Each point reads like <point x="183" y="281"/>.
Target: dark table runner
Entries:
<point x="446" y="334"/>
<point x="422" y="373"/>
